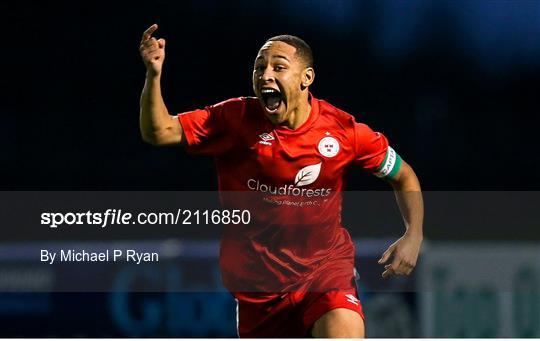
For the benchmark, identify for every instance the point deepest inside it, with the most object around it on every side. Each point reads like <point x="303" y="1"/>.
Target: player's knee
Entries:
<point x="339" y="322"/>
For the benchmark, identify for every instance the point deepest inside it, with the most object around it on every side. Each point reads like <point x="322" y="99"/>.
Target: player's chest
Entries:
<point x="299" y="158"/>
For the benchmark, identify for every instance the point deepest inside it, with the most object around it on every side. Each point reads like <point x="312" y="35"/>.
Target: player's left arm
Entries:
<point x="403" y="253"/>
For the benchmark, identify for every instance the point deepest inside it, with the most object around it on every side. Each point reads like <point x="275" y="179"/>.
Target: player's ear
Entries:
<point x="308" y="76"/>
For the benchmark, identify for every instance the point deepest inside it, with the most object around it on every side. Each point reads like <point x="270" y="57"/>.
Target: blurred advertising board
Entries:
<point x="480" y="290"/>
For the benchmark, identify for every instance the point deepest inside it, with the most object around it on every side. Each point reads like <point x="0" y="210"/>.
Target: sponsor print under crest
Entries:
<point x="307" y="175"/>
<point x="304" y="177"/>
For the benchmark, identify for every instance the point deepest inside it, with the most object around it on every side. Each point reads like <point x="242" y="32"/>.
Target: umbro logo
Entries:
<point x="352" y="299"/>
<point x="265" y="137"/>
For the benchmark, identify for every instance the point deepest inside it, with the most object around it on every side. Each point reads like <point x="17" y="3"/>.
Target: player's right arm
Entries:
<point x="157" y="126"/>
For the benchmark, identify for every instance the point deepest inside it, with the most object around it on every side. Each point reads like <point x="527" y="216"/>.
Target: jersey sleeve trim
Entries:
<point x="187" y="127"/>
<point x="390" y="166"/>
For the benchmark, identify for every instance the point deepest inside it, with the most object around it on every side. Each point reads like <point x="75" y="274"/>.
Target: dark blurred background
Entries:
<point x="453" y="84"/>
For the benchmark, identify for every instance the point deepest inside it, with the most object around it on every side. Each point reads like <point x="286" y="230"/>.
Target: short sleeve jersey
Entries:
<point x="290" y="181"/>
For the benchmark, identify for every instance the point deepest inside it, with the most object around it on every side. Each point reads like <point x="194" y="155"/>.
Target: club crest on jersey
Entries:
<point x="328" y="146"/>
<point x="265" y="138"/>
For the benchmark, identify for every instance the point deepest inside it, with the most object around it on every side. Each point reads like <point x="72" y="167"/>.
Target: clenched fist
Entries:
<point x="152" y="51"/>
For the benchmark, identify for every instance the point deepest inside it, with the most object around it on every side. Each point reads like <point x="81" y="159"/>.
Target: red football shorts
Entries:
<point x="291" y="314"/>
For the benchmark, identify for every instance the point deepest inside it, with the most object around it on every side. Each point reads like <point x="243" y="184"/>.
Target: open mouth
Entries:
<point x="272" y="98"/>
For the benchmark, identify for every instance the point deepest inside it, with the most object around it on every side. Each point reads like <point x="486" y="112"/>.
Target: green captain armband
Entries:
<point x="390" y="166"/>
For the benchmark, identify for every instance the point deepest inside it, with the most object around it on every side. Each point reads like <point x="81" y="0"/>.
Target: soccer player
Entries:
<point x="281" y="155"/>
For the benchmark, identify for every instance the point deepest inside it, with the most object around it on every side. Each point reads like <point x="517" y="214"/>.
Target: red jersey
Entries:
<point x="290" y="181"/>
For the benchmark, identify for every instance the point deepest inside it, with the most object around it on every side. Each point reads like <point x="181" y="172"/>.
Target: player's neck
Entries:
<point x="299" y="115"/>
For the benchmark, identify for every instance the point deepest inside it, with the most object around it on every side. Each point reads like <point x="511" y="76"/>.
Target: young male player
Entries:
<point x="282" y="155"/>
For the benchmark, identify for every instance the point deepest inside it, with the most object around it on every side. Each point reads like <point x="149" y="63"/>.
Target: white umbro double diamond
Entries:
<point x="265" y="137"/>
<point x="352" y="299"/>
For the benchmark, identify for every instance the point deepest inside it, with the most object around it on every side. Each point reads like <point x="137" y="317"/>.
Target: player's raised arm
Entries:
<point x="157" y="126"/>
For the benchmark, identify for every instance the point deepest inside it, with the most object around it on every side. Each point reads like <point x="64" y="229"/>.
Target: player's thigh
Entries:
<point x="340" y="322"/>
